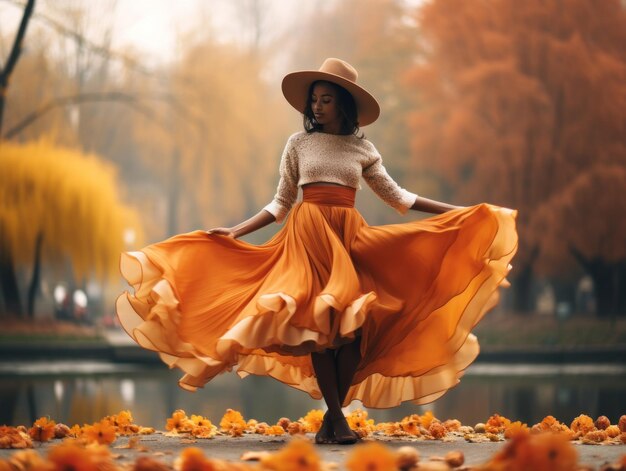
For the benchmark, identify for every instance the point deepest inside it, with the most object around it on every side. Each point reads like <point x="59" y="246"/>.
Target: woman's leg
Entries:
<point x="325" y="366"/>
<point x="347" y="359"/>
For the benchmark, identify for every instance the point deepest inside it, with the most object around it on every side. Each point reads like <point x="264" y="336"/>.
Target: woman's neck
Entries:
<point x="332" y="128"/>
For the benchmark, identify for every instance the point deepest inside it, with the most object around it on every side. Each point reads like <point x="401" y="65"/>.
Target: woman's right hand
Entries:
<point x="225" y="231"/>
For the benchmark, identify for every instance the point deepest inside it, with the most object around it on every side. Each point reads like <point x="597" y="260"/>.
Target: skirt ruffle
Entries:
<point x="412" y="291"/>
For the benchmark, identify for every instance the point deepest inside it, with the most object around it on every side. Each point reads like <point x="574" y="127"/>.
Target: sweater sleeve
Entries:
<point x="385" y="187"/>
<point x="287" y="190"/>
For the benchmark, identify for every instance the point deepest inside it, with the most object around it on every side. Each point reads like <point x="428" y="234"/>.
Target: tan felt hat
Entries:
<point x="296" y="85"/>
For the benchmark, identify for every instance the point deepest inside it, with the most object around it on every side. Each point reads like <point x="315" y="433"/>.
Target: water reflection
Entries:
<point x="152" y="394"/>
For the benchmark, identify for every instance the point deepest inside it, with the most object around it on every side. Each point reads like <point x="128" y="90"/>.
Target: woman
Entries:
<point x="329" y="305"/>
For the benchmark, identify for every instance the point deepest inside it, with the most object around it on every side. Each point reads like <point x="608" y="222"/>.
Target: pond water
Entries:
<point x="84" y="392"/>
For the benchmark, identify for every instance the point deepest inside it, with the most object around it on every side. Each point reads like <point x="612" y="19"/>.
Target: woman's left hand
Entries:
<point x="225" y="231"/>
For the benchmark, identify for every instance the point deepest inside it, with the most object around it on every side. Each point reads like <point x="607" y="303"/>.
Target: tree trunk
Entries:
<point x="522" y="285"/>
<point x="609" y="283"/>
<point x="34" y="282"/>
<point x="602" y="277"/>
<point x="173" y="196"/>
<point x="14" y="55"/>
<point x="8" y="280"/>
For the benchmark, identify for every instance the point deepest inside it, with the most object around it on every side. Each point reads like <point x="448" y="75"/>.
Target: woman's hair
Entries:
<point x="345" y="105"/>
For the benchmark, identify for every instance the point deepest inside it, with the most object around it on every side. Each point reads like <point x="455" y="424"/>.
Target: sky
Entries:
<point x="153" y="27"/>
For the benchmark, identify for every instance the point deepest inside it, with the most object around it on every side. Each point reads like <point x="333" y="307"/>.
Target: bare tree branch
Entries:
<point x="96" y="48"/>
<point x="14" y="55"/>
<point x="78" y="99"/>
<point x="124" y="98"/>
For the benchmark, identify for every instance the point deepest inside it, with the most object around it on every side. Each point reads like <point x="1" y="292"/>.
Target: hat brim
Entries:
<point x="296" y="85"/>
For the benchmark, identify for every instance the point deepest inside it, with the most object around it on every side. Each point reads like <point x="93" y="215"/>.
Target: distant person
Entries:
<point x="329" y="305"/>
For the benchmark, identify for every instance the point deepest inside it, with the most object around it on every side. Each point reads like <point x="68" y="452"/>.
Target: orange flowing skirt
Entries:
<point x="412" y="291"/>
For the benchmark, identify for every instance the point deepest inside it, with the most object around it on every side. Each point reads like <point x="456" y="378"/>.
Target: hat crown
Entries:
<point x="340" y="68"/>
<point x="296" y="88"/>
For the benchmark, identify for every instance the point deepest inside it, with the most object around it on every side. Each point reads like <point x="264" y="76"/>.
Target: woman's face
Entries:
<point x="324" y="107"/>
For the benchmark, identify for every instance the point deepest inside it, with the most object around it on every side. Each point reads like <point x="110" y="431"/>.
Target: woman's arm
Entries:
<point x="256" y="222"/>
<point x="432" y="206"/>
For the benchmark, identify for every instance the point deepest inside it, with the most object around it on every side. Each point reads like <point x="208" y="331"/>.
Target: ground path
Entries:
<point x="169" y="448"/>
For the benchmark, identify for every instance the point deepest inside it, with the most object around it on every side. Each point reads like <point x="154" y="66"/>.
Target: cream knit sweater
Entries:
<point x="334" y="158"/>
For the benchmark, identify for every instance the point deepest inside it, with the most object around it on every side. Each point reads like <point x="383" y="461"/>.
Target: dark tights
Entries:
<point x="334" y="370"/>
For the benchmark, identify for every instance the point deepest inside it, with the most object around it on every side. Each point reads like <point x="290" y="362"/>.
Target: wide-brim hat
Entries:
<point x="296" y="86"/>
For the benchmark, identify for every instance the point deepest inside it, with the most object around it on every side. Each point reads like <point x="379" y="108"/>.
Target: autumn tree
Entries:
<point x="576" y="230"/>
<point x="219" y="164"/>
<point x="516" y="100"/>
<point x="57" y="203"/>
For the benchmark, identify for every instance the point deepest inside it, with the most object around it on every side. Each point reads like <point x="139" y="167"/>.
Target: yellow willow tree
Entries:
<point x="517" y="99"/>
<point x="57" y="203"/>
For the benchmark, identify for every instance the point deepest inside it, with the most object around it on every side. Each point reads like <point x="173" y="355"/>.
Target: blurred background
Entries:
<point x="124" y="122"/>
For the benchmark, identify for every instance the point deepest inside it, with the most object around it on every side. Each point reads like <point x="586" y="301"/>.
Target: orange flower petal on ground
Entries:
<point x="313" y="420"/>
<point x="102" y="432"/>
<point x="179" y="422"/>
<point x="426" y="419"/>
<point x="583" y="424"/>
<point x="145" y="463"/>
<point x="297" y="455"/>
<point x="204" y="432"/>
<point x="497" y="424"/>
<point x="452" y="425"/>
<point x="274" y="430"/>
<point x="411" y="427"/>
<point x="514" y="428"/>
<point x="622" y="423"/>
<point x="602" y="422"/>
<point x="200" y="421"/>
<point x="193" y="459"/>
<point x="11" y="437"/>
<point x="613" y="431"/>
<point x="437" y="430"/>
<point x="358" y="421"/>
<point x="236" y="430"/>
<point x="42" y="430"/>
<point x="543" y="452"/>
<point x="232" y="419"/>
<point x="371" y="457"/>
<point x="595" y="436"/>
<point x="123" y="422"/>
<point x="284" y="422"/>
<point x="296" y="428"/>
<point x="29" y="460"/>
<point x="553" y="452"/>
<point x="71" y="456"/>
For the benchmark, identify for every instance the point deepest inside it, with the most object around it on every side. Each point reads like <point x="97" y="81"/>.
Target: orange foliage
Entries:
<point x="515" y="100"/>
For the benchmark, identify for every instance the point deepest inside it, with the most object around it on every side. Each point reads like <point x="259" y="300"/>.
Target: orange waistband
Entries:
<point x="329" y="195"/>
